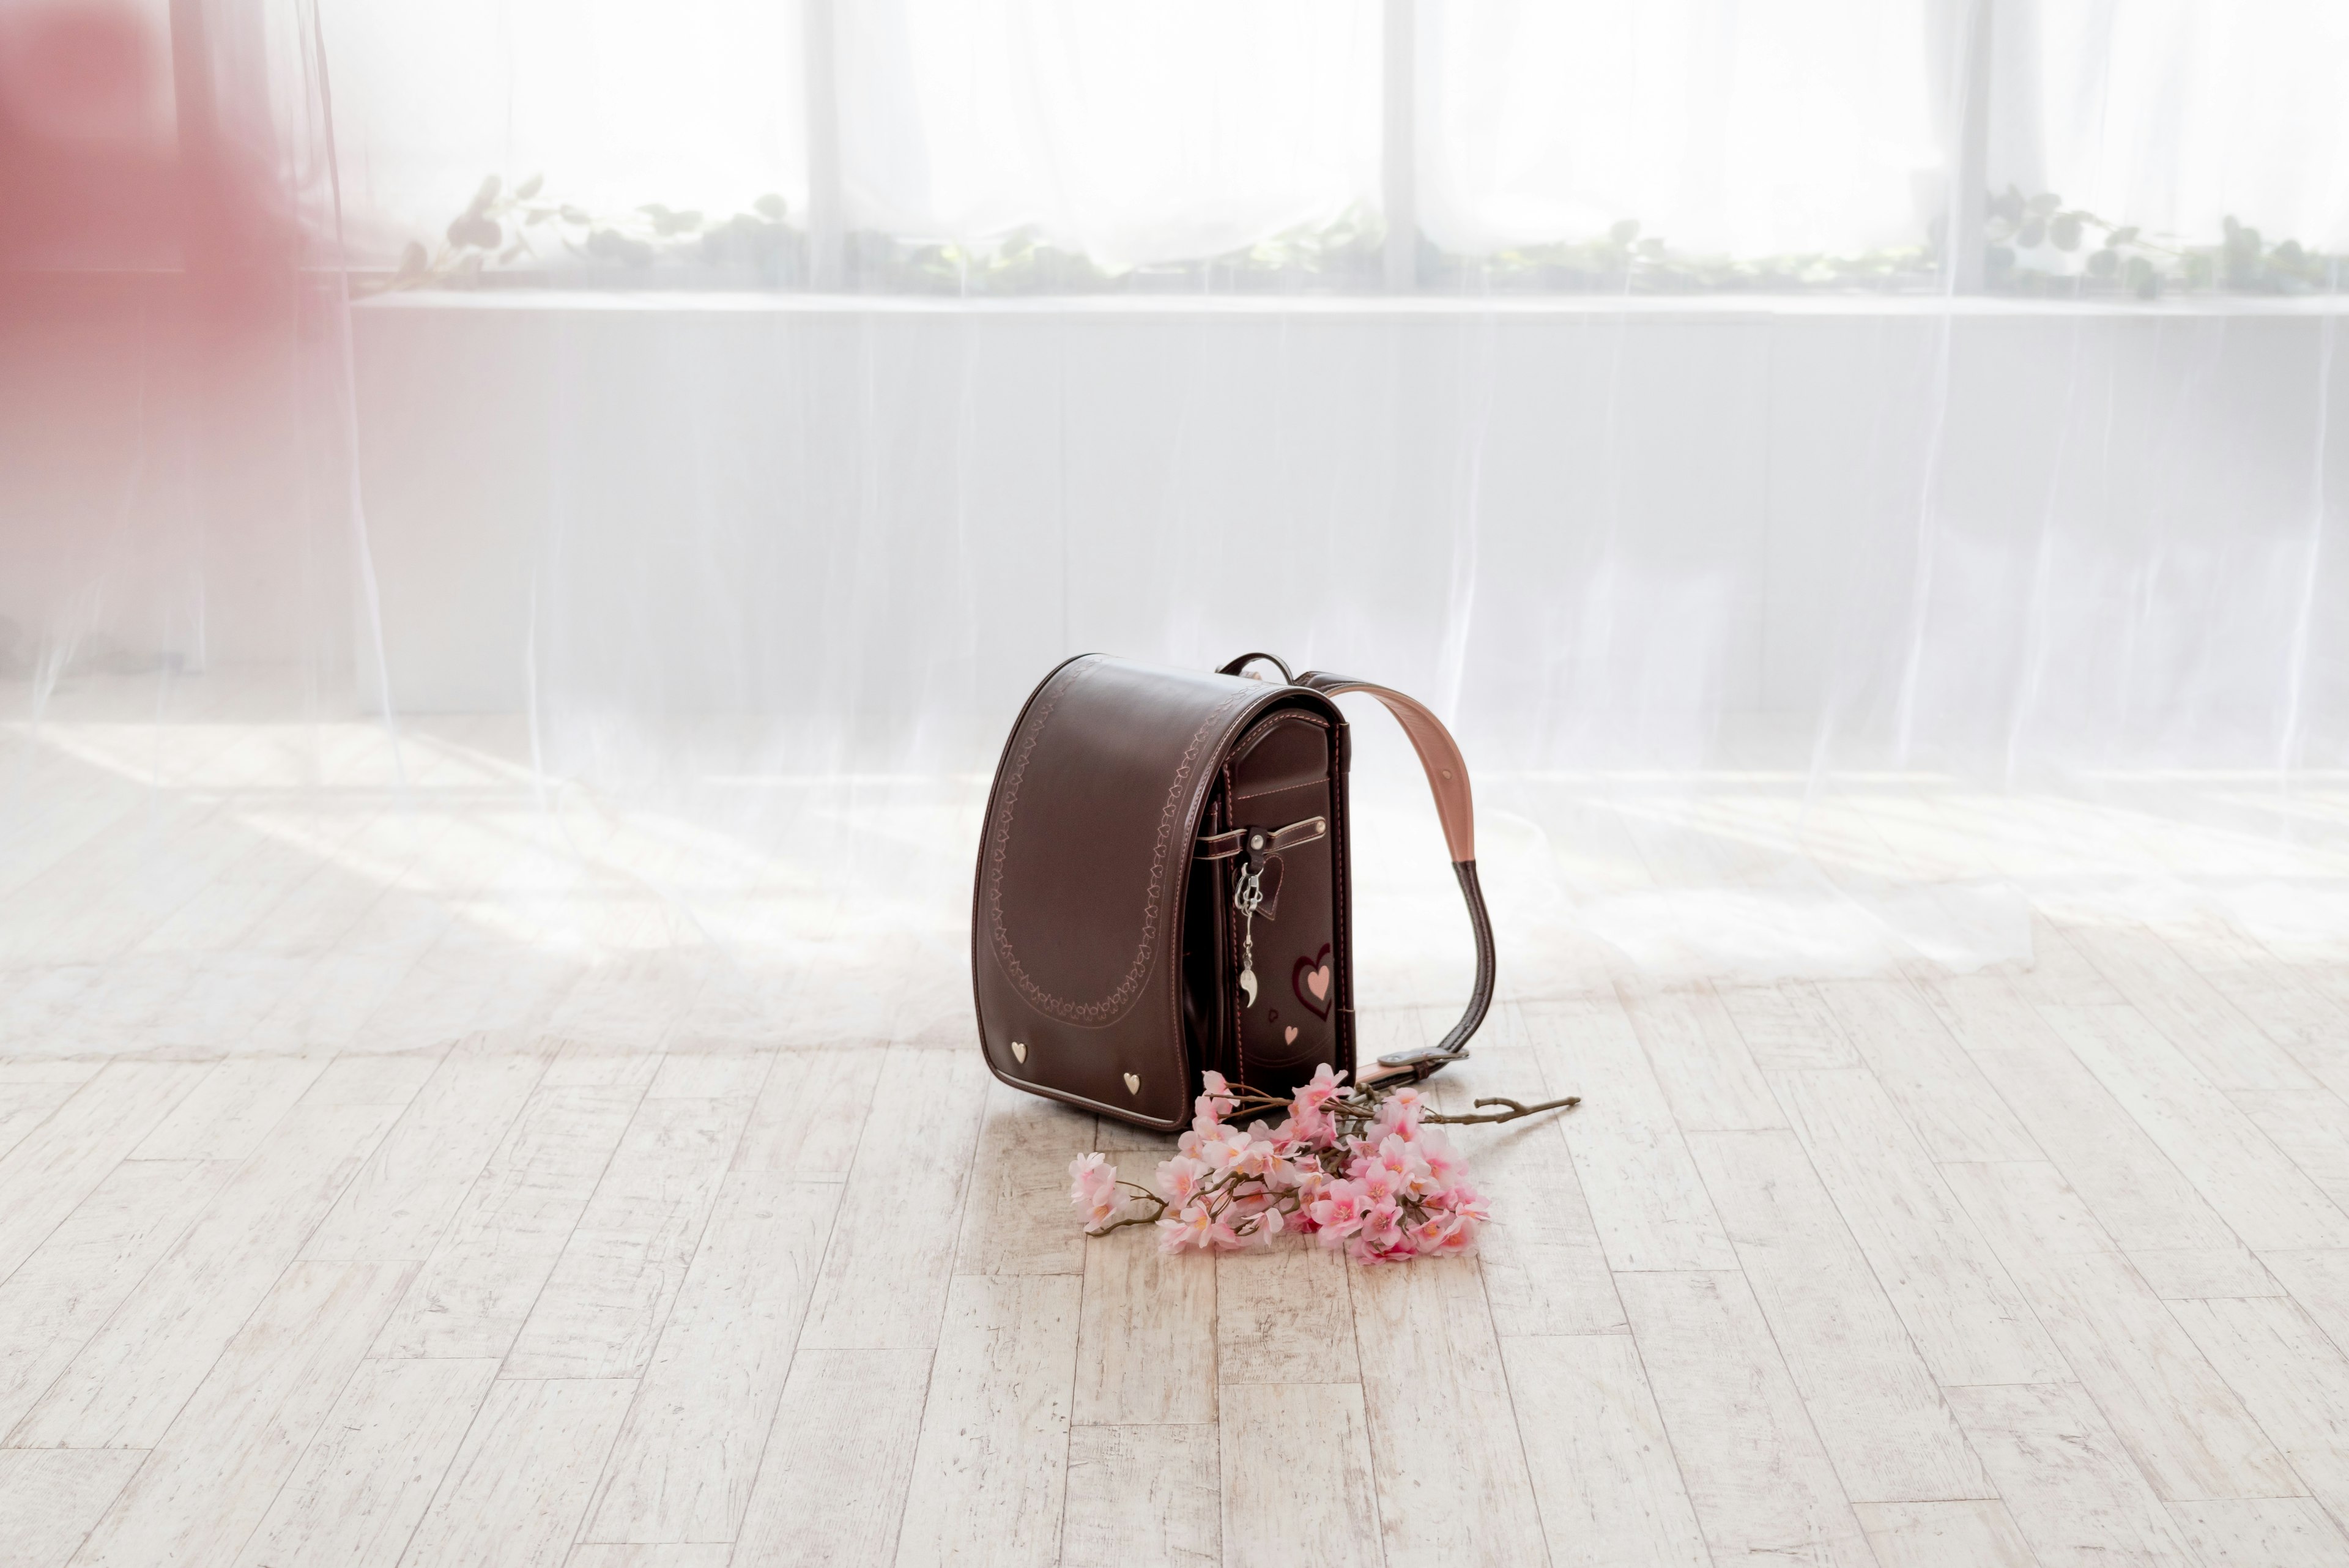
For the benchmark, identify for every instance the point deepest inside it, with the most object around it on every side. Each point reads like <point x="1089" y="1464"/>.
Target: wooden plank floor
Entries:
<point x="585" y="1264"/>
<point x="523" y="1299"/>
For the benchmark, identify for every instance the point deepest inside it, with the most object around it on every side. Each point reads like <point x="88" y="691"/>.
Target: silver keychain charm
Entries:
<point x="1247" y="897"/>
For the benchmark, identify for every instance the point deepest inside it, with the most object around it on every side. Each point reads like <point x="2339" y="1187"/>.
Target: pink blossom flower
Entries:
<point x="1193" y="1226"/>
<point x="1217" y="1101"/>
<point x="1442" y="1233"/>
<point x="1260" y="1153"/>
<point x="1428" y="1235"/>
<point x="1287" y="1142"/>
<point x="1466" y="1201"/>
<point x="1286" y="1172"/>
<point x="1338" y="1212"/>
<point x="1094" y="1189"/>
<point x="1233" y="1148"/>
<point x="1318" y="1092"/>
<point x="1404" y="1166"/>
<point x="1088" y="1171"/>
<point x="1398" y="1116"/>
<point x="1443" y="1165"/>
<point x="1180" y="1178"/>
<point x="1313" y="1129"/>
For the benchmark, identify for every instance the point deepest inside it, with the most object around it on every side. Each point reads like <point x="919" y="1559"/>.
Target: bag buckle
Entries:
<point x="1418" y="1065"/>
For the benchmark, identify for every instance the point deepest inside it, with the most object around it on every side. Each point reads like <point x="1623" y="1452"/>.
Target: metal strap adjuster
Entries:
<point x="1224" y="845"/>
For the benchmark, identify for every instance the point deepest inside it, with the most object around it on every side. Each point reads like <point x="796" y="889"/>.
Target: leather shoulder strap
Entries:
<point x="1447" y="774"/>
<point x="1447" y="780"/>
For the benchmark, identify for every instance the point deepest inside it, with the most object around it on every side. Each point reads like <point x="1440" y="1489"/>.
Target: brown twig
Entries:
<point x="1352" y="1106"/>
<point x="1515" y="1110"/>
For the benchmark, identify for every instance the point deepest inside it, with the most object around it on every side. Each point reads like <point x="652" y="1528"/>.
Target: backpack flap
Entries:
<point x="1078" y="915"/>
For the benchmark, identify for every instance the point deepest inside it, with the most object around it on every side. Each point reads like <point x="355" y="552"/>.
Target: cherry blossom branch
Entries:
<point x="1359" y="1167"/>
<point x="1146" y="1196"/>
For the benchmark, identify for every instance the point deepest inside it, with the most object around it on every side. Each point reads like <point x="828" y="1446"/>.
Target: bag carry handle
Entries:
<point x="1447" y="780"/>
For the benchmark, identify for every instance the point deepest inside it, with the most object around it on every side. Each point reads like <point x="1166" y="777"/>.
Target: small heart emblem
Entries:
<point x="1133" y="1083"/>
<point x="1018" y="1051"/>
<point x="1312" y="981"/>
<point x="1288" y="1035"/>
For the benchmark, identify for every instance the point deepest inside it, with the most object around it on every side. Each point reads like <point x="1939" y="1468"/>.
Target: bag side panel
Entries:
<point x="1341" y="872"/>
<point x="1285" y="770"/>
<point x="1084" y="878"/>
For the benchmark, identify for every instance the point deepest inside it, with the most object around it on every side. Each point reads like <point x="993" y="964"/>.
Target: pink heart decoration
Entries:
<point x="1310" y="981"/>
<point x="1288" y="1035"/>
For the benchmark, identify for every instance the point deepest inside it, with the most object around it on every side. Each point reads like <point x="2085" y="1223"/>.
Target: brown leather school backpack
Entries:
<point x="1162" y="886"/>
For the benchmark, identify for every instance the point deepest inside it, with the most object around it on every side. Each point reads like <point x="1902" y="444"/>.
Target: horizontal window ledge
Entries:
<point x="1693" y="307"/>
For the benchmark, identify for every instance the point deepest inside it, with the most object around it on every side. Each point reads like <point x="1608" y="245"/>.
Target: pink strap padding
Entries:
<point x="1447" y="773"/>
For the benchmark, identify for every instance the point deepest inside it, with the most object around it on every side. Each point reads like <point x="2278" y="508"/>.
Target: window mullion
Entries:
<point x="1399" y="179"/>
<point x="1961" y="255"/>
<point x="825" y="227"/>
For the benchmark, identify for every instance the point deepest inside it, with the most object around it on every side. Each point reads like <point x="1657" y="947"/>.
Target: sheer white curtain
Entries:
<point x="1125" y="133"/>
<point x="1156" y="136"/>
<point x="1129" y="134"/>
<point x="2176" y="115"/>
<point x="698" y="105"/>
<point x="1142" y="134"/>
<point x="1789" y="636"/>
<point x="1746" y="130"/>
<point x="1152" y="133"/>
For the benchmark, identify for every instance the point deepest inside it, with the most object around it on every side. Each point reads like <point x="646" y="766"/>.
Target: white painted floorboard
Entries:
<point x="2039" y="1266"/>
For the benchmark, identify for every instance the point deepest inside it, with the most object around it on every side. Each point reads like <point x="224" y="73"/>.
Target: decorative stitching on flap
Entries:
<point x="1122" y="998"/>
